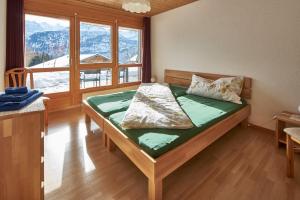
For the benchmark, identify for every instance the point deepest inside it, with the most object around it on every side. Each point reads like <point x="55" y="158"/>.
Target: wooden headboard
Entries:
<point x="184" y="78"/>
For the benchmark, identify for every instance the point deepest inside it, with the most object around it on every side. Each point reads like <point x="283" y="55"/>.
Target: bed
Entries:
<point x="159" y="152"/>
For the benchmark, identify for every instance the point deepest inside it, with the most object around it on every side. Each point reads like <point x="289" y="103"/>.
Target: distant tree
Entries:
<point x="39" y="58"/>
<point x="35" y="60"/>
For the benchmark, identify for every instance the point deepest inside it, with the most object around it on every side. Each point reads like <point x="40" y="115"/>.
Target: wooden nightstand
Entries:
<point x="282" y="120"/>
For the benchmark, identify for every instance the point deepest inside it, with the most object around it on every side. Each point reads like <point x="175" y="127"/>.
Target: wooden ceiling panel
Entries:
<point x="157" y="6"/>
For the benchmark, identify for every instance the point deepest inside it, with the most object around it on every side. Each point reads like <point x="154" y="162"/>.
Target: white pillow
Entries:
<point x="235" y="83"/>
<point x="227" y="89"/>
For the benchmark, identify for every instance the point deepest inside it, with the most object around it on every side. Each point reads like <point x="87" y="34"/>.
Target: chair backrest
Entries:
<point x="17" y="77"/>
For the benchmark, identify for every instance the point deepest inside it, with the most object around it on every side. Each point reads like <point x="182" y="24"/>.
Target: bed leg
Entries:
<point x="87" y="119"/>
<point x="110" y="144"/>
<point x="104" y="139"/>
<point x="88" y="122"/>
<point x="154" y="189"/>
<point x="290" y="156"/>
<point x="245" y="123"/>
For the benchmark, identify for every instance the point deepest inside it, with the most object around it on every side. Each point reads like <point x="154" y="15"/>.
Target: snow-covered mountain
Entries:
<point x="52" y="41"/>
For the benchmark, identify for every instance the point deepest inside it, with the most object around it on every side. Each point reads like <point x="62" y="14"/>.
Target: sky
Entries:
<point x="94" y="26"/>
<point x="51" y="21"/>
<point x="129" y="32"/>
<point x="126" y="32"/>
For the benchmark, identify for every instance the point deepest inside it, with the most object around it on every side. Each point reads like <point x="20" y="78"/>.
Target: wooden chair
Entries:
<point x="293" y="135"/>
<point x="17" y="77"/>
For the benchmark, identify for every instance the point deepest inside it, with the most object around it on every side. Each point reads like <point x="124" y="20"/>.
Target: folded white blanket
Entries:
<point x="154" y="106"/>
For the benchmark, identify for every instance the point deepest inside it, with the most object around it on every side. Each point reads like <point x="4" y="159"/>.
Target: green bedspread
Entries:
<point x="204" y="112"/>
<point x="111" y="103"/>
<point x="178" y="90"/>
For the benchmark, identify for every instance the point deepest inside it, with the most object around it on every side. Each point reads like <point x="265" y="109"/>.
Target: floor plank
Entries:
<point x="244" y="164"/>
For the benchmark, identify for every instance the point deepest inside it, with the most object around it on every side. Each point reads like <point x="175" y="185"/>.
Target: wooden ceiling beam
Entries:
<point x="157" y="6"/>
<point x="85" y="10"/>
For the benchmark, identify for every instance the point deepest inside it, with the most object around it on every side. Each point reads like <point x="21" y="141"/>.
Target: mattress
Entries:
<point x="204" y="112"/>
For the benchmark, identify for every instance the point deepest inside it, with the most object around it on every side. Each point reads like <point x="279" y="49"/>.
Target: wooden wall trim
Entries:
<point x="266" y="130"/>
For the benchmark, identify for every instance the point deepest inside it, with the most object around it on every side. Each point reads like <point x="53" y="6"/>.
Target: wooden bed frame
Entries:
<point x="157" y="169"/>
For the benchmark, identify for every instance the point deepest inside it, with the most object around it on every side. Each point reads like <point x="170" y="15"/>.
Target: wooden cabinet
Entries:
<point x="22" y="155"/>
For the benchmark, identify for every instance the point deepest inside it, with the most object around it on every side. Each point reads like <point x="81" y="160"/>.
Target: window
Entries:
<point x="129" y="46"/>
<point x="96" y="56"/>
<point x="129" y="74"/>
<point x="95" y="78"/>
<point x="49" y="82"/>
<point x="47" y="42"/>
<point x="91" y="46"/>
<point x="95" y="43"/>
<point x="47" y="52"/>
<point x="130" y="55"/>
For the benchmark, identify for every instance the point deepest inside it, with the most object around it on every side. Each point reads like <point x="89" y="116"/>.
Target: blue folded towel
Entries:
<point x="16" y="90"/>
<point x="10" y="106"/>
<point x="17" y="97"/>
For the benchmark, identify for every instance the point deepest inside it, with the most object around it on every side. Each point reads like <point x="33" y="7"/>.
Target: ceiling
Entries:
<point x="157" y="6"/>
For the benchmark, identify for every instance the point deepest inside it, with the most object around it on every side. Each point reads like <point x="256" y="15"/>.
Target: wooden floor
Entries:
<point x="244" y="164"/>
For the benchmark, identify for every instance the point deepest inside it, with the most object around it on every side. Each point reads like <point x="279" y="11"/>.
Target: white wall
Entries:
<point x="2" y="41"/>
<point x="256" y="38"/>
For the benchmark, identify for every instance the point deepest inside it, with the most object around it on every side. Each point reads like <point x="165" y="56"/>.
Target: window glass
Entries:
<point x="129" y="74"/>
<point x="47" y="42"/>
<point x="129" y="46"/>
<point x="51" y="82"/>
<point x="95" y="43"/>
<point x="95" y="77"/>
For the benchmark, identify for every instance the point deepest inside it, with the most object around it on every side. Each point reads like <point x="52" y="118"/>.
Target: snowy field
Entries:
<point x="54" y="82"/>
<point x="51" y="82"/>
